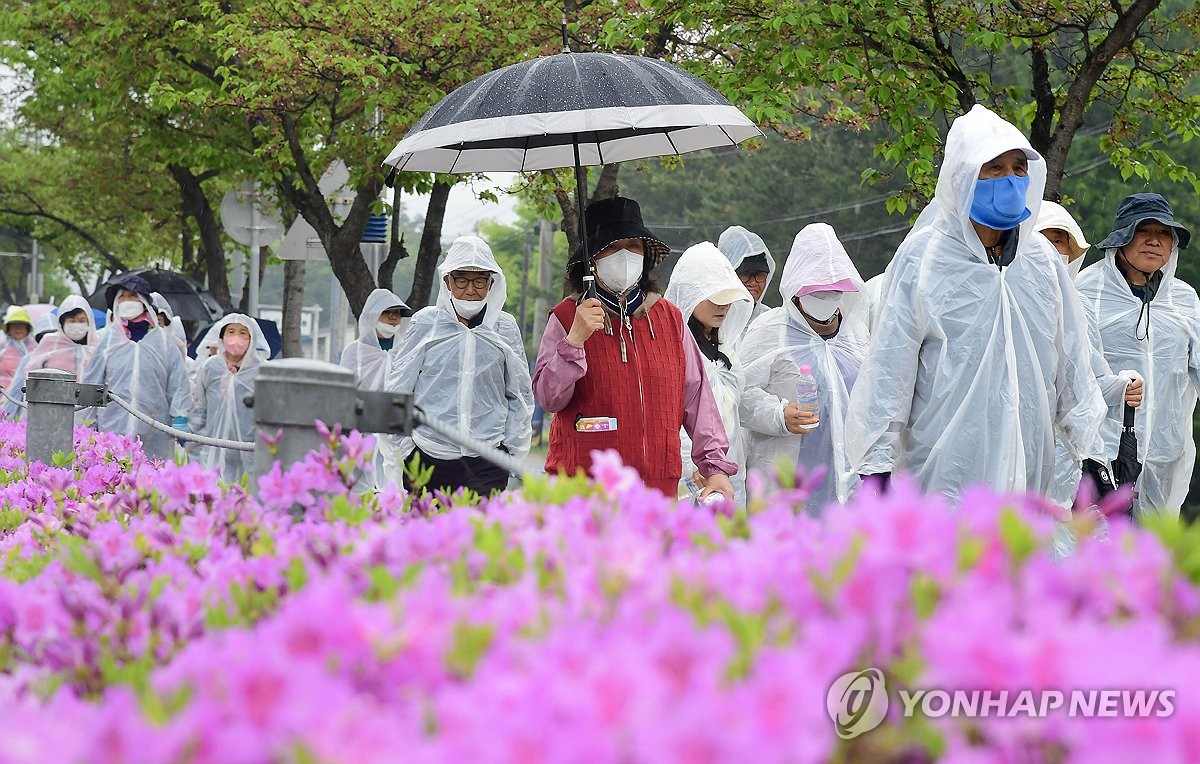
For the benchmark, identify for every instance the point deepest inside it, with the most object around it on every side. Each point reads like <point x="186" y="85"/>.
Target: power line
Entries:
<point x="789" y="218"/>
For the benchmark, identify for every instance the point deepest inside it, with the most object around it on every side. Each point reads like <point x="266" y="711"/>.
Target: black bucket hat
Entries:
<point x="610" y="220"/>
<point x="132" y="283"/>
<point x="1135" y="210"/>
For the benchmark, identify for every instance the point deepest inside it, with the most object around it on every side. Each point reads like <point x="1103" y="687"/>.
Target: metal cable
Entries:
<point x="235" y="445"/>
<point x="501" y="459"/>
<point x="12" y="399"/>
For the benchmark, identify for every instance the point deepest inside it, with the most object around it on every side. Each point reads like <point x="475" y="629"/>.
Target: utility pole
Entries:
<point x="541" y="305"/>
<point x="528" y="246"/>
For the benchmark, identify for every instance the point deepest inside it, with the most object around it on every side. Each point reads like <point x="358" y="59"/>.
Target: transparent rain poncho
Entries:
<point x="149" y="374"/>
<point x="703" y="273"/>
<point x="219" y="409"/>
<point x="737" y="243"/>
<point x="973" y="367"/>
<point x="1168" y="361"/>
<point x="371" y="363"/>
<point x="56" y="351"/>
<point x="782" y="341"/>
<point x="474" y="379"/>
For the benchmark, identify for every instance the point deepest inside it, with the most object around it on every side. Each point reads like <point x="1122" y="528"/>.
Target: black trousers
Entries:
<point x="473" y="472"/>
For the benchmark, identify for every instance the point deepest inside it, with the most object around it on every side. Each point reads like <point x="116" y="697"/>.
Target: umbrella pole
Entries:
<point x="589" y="279"/>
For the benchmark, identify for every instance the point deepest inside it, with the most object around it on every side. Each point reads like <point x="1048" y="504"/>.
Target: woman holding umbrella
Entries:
<point x="621" y="370"/>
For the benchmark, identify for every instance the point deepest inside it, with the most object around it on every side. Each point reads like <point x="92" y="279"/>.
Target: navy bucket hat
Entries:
<point x="1135" y="210"/>
<point x="132" y="283"/>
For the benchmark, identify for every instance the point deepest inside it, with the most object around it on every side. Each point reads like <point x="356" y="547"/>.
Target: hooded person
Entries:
<point x="222" y="382"/>
<point x="464" y="363"/>
<point x="15" y="343"/>
<point x="1065" y="235"/>
<point x="67" y="347"/>
<point x="141" y="363"/>
<point x="621" y="370"/>
<point x="980" y="348"/>
<point x="371" y="354"/>
<point x="752" y="262"/>
<point x="167" y="319"/>
<point x="1145" y="319"/>
<point x="822" y="324"/>
<point x="717" y="308"/>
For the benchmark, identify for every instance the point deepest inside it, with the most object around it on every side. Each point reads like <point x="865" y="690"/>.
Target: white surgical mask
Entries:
<point x="129" y="310"/>
<point x="75" y="331"/>
<point x="620" y="271"/>
<point x="385" y="330"/>
<point x="467" y="309"/>
<point x="821" y="305"/>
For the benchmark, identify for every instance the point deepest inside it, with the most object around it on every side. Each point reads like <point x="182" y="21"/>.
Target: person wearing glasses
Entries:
<point x="752" y="262"/>
<point x="464" y="363"/>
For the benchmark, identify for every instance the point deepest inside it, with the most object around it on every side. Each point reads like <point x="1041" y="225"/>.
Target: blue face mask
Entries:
<point x="1000" y="202"/>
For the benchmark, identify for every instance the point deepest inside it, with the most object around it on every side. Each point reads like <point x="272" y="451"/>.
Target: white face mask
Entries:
<point x="128" y="309"/>
<point x="467" y="309"/>
<point x="620" y="271"/>
<point x="821" y="305"/>
<point x="75" y="331"/>
<point x="385" y="330"/>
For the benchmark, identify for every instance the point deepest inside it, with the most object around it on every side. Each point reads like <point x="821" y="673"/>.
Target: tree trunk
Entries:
<point x="197" y="207"/>
<point x="431" y="247"/>
<point x="606" y="188"/>
<point x="1079" y="93"/>
<point x="387" y="269"/>
<point x="293" y="308"/>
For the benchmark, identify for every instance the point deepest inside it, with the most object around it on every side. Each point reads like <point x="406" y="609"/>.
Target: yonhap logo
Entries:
<point x="857" y="702"/>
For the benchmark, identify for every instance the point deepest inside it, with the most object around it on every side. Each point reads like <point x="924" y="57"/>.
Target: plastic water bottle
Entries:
<point x="807" y="395"/>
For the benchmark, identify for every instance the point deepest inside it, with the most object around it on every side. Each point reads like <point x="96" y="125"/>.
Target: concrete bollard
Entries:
<point x="51" y="396"/>
<point x="290" y="396"/>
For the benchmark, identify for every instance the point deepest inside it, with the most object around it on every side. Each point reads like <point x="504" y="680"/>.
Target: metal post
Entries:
<point x="35" y="287"/>
<point x="50" y="396"/>
<point x="290" y="396"/>
<point x="252" y="302"/>
<point x="528" y="253"/>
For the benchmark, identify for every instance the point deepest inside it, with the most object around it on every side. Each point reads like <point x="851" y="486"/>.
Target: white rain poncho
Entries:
<point x="972" y="367"/>
<point x="872" y="293"/>
<point x="149" y="374"/>
<point x="1169" y="363"/>
<point x="174" y="323"/>
<point x="220" y="410"/>
<point x="703" y="273"/>
<point x="737" y="243"/>
<point x="56" y="351"/>
<point x="476" y="380"/>
<point x="782" y="341"/>
<point x="371" y="363"/>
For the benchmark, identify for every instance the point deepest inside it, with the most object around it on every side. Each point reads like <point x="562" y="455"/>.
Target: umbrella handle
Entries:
<point x="1129" y="412"/>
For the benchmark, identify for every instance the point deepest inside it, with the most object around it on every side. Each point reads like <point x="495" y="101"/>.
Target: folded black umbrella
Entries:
<point x="1126" y="467"/>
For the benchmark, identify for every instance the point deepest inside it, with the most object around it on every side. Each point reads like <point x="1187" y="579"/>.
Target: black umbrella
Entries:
<point x="571" y="110"/>
<point x="1126" y="468"/>
<point x="189" y="300"/>
<point x="270" y="332"/>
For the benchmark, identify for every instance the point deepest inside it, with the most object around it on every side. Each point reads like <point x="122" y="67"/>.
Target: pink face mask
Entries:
<point x="235" y="346"/>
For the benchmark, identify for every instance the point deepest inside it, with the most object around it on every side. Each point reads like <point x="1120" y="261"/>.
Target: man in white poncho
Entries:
<point x="823" y="325"/>
<point x="980" y="350"/>
<point x="1147" y="320"/>
<point x="716" y="306"/>
<point x="371" y="354"/>
<point x="464" y="363"/>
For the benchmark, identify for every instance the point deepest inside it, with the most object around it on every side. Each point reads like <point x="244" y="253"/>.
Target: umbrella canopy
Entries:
<point x="270" y="332"/>
<point x="189" y="300"/>
<point x="530" y="116"/>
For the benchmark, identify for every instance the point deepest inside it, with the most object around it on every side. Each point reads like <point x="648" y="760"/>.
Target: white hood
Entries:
<point x="1054" y="215"/>
<point x="378" y="301"/>
<point x="818" y="259"/>
<point x="704" y="273"/>
<point x="974" y="138"/>
<point x="75" y="302"/>
<point x="737" y="243"/>
<point x="258" y="351"/>
<point x="473" y="253"/>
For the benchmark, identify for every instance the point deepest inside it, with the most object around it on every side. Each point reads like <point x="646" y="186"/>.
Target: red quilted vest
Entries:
<point x="644" y="394"/>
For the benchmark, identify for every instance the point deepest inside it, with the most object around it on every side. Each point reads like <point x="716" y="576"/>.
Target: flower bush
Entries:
<point x="150" y="613"/>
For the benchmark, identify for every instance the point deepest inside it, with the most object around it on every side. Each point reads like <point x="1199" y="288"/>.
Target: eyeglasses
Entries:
<point x="462" y="282"/>
<point x="753" y="278"/>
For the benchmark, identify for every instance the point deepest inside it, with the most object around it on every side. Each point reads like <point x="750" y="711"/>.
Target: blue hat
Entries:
<point x="1135" y="210"/>
<point x="126" y="281"/>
